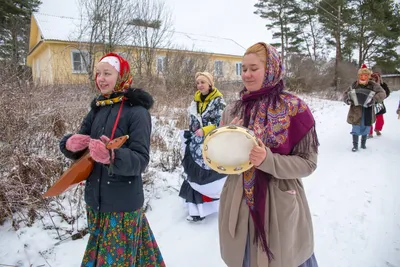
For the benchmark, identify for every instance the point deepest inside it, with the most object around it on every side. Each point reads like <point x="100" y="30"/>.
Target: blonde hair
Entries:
<point x="260" y="50"/>
<point x="209" y="78"/>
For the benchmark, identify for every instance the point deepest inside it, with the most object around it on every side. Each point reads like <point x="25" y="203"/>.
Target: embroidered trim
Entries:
<point x="111" y="101"/>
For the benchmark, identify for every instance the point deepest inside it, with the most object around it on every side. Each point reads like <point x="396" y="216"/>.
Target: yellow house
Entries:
<point x="57" y="57"/>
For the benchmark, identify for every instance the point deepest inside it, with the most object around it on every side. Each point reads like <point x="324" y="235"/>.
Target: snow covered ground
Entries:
<point x="353" y="199"/>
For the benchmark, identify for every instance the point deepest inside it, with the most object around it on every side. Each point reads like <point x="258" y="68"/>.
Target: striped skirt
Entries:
<point x="120" y="239"/>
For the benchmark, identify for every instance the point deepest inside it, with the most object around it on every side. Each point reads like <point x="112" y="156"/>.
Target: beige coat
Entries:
<point x="288" y="222"/>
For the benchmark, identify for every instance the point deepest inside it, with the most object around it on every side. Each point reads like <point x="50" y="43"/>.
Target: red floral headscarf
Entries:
<point x="125" y="78"/>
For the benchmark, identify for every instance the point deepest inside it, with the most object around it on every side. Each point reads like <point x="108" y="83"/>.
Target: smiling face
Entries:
<point x="363" y="78"/>
<point x="202" y="85"/>
<point x="253" y="72"/>
<point x="106" y="77"/>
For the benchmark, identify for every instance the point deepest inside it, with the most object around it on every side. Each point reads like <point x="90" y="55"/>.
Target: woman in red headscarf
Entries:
<point x="120" y="234"/>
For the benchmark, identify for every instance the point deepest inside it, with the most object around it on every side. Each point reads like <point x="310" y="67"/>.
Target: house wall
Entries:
<point x="63" y="64"/>
<point x="56" y="63"/>
<point x="229" y="67"/>
<point x="42" y="66"/>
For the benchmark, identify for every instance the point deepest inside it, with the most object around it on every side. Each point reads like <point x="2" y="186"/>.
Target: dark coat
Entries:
<point x="380" y="107"/>
<point x="121" y="190"/>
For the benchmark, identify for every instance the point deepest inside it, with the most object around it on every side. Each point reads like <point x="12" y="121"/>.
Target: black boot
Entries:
<point x="195" y="218"/>
<point x="363" y="141"/>
<point x="355" y="143"/>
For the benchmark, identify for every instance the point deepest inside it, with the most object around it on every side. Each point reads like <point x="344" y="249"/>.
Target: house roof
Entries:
<point x="390" y="75"/>
<point x="67" y="29"/>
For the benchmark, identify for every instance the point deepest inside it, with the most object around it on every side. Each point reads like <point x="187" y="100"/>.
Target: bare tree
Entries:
<point x="152" y="29"/>
<point x="180" y="69"/>
<point x="136" y="27"/>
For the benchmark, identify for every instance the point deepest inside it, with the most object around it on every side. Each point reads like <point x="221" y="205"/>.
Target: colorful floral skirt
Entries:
<point x="120" y="239"/>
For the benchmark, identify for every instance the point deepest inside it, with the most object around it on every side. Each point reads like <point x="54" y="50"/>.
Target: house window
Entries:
<point x="189" y="63"/>
<point x="161" y="64"/>
<point x="239" y="68"/>
<point x="80" y="61"/>
<point x="218" y="68"/>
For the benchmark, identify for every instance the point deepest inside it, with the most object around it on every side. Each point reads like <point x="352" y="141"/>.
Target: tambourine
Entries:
<point x="226" y="149"/>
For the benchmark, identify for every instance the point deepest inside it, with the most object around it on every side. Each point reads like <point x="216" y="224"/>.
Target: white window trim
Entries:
<point x="222" y="68"/>
<point x="240" y="68"/>
<point x="72" y="61"/>
<point x="163" y="58"/>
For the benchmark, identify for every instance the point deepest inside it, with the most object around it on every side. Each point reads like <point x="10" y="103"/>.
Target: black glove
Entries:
<point x="349" y="102"/>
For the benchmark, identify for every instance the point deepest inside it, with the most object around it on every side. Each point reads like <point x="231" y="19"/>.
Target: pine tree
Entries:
<point x="310" y="30"/>
<point x="376" y="31"/>
<point x="15" y="19"/>
<point x="283" y="20"/>
<point x="334" y="16"/>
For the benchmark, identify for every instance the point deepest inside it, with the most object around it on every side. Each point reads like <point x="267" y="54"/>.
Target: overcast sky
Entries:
<point x="223" y="18"/>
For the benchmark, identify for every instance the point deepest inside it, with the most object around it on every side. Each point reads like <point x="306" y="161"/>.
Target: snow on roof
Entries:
<point x="67" y="29"/>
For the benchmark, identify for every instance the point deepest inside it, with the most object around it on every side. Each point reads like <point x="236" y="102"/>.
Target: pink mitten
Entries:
<point x="98" y="150"/>
<point x="77" y="142"/>
<point x="105" y="140"/>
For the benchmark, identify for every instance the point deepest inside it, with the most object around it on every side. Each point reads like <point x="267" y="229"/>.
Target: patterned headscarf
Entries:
<point x="122" y="66"/>
<point x="275" y="70"/>
<point x="280" y="120"/>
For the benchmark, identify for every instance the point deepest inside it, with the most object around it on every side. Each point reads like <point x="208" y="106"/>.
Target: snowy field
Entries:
<point x="353" y="200"/>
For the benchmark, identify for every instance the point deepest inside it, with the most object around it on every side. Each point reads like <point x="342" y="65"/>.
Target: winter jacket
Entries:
<point x="288" y="222"/>
<point x="206" y="113"/>
<point x="355" y="112"/>
<point x="122" y="189"/>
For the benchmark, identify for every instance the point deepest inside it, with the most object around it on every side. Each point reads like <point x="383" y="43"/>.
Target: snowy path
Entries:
<point x="353" y="199"/>
<point x="353" y="196"/>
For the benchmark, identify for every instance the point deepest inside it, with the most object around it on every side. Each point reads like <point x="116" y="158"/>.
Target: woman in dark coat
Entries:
<point x="120" y="234"/>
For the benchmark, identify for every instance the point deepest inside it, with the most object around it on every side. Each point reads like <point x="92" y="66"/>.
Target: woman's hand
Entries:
<point x="199" y="132"/>
<point x="237" y="122"/>
<point x="98" y="150"/>
<point x="77" y="142"/>
<point x="258" y="154"/>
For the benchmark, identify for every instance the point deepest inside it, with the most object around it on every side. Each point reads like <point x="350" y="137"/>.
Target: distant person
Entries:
<point x="380" y="108"/>
<point x="360" y="117"/>
<point x="202" y="186"/>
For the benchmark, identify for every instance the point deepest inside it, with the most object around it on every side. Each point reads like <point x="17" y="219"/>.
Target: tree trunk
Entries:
<point x="283" y="54"/>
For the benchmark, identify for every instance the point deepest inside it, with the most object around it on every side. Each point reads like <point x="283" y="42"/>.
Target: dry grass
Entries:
<point x="33" y="121"/>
